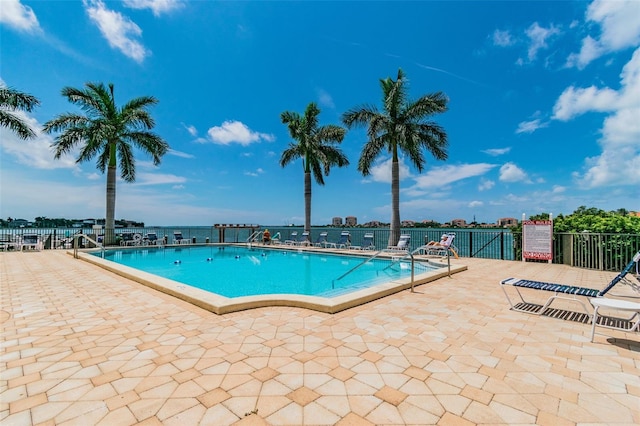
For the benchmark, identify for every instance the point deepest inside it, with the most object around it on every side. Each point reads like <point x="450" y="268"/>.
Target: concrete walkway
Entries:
<point x="82" y="346"/>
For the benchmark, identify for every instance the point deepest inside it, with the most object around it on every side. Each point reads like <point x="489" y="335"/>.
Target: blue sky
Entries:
<point x="544" y="105"/>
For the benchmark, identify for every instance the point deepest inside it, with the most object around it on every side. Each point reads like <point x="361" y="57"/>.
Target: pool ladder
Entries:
<point x="373" y="257"/>
<point x="394" y="261"/>
<point x="76" y="244"/>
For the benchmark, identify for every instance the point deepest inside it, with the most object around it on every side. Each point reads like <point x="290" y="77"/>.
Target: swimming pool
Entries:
<point x="233" y="271"/>
<point x="193" y="274"/>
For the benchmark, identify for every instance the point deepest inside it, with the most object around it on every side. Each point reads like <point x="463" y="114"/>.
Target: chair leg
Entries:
<point x="594" y="321"/>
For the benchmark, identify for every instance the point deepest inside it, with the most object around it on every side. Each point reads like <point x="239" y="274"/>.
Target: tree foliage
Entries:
<point x="592" y="219"/>
<point x="12" y="100"/>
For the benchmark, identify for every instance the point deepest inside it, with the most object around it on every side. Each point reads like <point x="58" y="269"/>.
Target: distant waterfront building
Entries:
<point x="507" y="221"/>
<point x="336" y="221"/>
<point x="461" y="223"/>
<point x="351" y="221"/>
<point x="373" y="224"/>
<point x="407" y="224"/>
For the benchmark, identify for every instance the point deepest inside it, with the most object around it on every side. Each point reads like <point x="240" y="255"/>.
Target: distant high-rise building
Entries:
<point x="351" y="221"/>
<point x="459" y="222"/>
<point x="336" y="221"/>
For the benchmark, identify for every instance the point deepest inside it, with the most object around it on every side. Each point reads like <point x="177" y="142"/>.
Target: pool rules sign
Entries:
<point x="537" y="238"/>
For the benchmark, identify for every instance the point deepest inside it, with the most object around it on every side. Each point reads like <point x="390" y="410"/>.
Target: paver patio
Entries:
<point x="83" y="346"/>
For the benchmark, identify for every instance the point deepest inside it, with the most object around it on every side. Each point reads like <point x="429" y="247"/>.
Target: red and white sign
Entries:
<point x="537" y="236"/>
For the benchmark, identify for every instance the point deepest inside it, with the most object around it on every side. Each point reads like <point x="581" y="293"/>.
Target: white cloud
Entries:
<point x="509" y="172"/>
<point x="486" y="184"/>
<point x="475" y="204"/>
<point x="179" y="154"/>
<point x="530" y="126"/>
<point x="558" y="189"/>
<point x="573" y="102"/>
<point x="618" y="162"/>
<point x="16" y="15"/>
<point x="538" y="37"/>
<point x="502" y="38"/>
<point x="143" y="179"/>
<point x="381" y="171"/>
<point x="158" y="7"/>
<point x="494" y="152"/>
<point x="236" y="132"/>
<point x="191" y="129"/>
<point x="120" y="31"/>
<point x="257" y="173"/>
<point x="325" y="99"/>
<point x="620" y="29"/>
<point x="441" y="176"/>
<point x="36" y="152"/>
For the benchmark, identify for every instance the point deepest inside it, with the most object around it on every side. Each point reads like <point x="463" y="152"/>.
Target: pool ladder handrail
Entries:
<point x="355" y="267"/>
<point x="75" y="244"/>
<point x="396" y="260"/>
<point x="256" y="236"/>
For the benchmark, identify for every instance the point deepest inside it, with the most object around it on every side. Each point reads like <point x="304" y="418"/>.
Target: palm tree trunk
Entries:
<point x="307" y="202"/>
<point x="394" y="231"/>
<point x="110" y="221"/>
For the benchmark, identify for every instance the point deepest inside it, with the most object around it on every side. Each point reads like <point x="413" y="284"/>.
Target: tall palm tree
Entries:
<point x="10" y="101"/>
<point x="316" y="146"/>
<point x="400" y="126"/>
<point x="108" y="132"/>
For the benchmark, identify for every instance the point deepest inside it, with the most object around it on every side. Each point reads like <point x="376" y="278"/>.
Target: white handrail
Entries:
<point x="75" y="244"/>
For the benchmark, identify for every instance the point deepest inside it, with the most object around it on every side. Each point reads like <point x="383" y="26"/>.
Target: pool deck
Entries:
<point x="84" y="346"/>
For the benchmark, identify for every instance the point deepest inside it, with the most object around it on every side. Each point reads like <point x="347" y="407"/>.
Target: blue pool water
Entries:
<point x="238" y="271"/>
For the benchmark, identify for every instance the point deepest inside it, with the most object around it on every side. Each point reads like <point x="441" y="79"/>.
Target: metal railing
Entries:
<point x="609" y="252"/>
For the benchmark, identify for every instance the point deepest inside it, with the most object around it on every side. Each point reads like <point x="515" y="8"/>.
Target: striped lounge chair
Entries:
<point x="560" y="291"/>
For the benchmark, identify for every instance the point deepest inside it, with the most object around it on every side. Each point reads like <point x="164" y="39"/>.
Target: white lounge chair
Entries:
<point x="150" y="239"/>
<point x="30" y="242"/>
<point x="440" y="248"/>
<point x="303" y="240"/>
<point x="344" y="241"/>
<point x="8" y="242"/>
<point x="403" y="243"/>
<point x="322" y="239"/>
<point x="179" y="239"/>
<point x="367" y="242"/>
<point x="293" y="239"/>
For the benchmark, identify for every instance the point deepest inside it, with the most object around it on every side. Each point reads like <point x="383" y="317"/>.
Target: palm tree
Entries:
<point x="109" y="133"/>
<point x="10" y="101"/>
<point x="315" y="146"/>
<point x="400" y="126"/>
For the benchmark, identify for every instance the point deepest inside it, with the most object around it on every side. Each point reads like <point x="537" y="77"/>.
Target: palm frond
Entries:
<point x="127" y="163"/>
<point x="16" y="125"/>
<point x="12" y="99"/>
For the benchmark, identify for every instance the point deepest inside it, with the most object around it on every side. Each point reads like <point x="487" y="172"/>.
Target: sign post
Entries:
<point x="537" y="239"/>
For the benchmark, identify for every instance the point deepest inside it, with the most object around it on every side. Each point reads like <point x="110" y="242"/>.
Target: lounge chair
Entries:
<point x="151" y="239"/>
<point x="303" y="240"/>
<point x="30" y="242"/>
<point x="179" y="239"/>
<point x="8" y="242"/>
<point x="440" y="248"/>
<point x="294" y="238"/>
<point x="321" y="241"/>
<point x="403" y="243"/>
<point x="131" y="239"/>
<point x="343" y="242"/>
<point x="560" y="291"/>
<point x="367" y="243"/>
